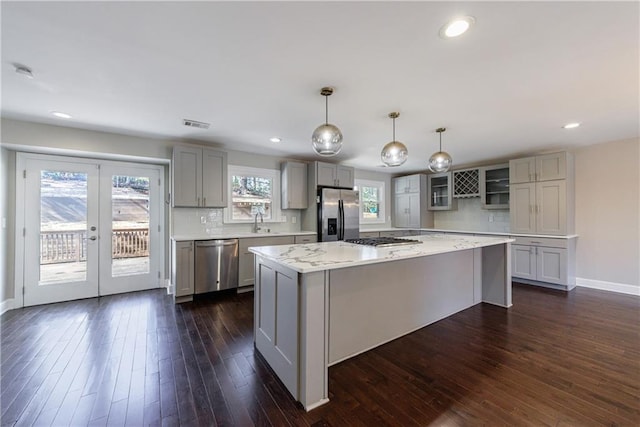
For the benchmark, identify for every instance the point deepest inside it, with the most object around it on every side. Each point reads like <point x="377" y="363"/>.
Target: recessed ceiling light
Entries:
<point x="275" y="139"/>
<point x="61" y="115"/>
<point x="456" y="27"/>
<point x="571" y="125"/>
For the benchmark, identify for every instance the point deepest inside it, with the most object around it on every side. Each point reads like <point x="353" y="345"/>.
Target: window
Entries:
<point x="371" y="201"/>
<point x="253" y="191"/>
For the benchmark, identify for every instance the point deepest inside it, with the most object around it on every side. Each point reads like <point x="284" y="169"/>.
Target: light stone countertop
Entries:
<point x="310" y="257"/>
<point x="238" y="235"/>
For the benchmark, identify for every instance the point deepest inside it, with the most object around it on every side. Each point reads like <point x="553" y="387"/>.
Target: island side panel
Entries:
<point x="496" y="275"/>
<point x="276" y="311"/>
<point x="373" y="304"/>
<point x="314" y="331"/>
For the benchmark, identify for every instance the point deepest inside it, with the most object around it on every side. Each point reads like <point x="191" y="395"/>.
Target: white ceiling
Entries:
<point x="254" y="70"/>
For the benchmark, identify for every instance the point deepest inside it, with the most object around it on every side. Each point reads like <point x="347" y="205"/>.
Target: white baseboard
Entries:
<point x="6" y="305"/>
<point x="608" y="286"/>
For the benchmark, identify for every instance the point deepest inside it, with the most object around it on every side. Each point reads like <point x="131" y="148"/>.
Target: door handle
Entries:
<point x="93" y="238"/>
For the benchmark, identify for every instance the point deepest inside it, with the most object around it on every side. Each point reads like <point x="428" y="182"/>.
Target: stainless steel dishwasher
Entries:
<point x="216" y="265"/>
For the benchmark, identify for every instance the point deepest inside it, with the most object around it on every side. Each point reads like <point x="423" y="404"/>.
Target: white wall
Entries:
<point x="607" y="185"/>
<point x="7" y="226"/>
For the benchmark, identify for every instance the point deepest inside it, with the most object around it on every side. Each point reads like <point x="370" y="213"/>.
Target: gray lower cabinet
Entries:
<point x="544" y="261"/>
<point x="311" y="238"/>
<point x="246" y="274"/>
<point x="182" y="271"/>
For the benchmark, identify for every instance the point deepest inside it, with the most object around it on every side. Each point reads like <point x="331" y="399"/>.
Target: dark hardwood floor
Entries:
<point x="554" y="358"/>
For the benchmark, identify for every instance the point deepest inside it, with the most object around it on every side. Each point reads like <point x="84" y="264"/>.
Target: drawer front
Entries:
<point x="543" y="241"/>
<point x="305" y="239"/>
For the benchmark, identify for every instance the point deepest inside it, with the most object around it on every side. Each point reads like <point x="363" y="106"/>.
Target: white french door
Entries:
<point x="89" y="228"/>
<point x="130" y="205"/>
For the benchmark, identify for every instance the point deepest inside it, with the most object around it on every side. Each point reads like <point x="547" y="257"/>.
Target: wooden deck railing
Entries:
<point x="71" y="245"/>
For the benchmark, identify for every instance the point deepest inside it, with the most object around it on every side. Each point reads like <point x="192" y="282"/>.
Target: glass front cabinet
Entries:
<point x="494" y="186"/>
<point x="440" y="191"/>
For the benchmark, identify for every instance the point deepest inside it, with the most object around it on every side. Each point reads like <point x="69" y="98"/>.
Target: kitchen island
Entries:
<point x="318" y="304"/>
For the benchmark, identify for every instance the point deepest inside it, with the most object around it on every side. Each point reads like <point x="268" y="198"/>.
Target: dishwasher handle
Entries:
<point x="213" y="243"/>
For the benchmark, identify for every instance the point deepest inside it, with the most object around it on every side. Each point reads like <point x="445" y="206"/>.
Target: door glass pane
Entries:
<point x="129" y="225"/>
<point x="63" y="226"/>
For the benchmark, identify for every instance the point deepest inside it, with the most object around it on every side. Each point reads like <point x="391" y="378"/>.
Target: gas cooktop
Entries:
<point x="382" y="241"/>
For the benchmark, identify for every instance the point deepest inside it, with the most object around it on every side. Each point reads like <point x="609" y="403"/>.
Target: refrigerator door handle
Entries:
<point x="340" y="220"/>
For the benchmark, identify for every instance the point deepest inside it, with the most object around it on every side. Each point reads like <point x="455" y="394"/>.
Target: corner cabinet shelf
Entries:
<point x="440" y="192"/>
<point x="494" y="187"/>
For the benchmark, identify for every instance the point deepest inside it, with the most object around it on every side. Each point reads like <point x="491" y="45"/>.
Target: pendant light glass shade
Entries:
<point x="395" y="152"/>
<point x="327" y="138"/>
<point x="440" y="161"/>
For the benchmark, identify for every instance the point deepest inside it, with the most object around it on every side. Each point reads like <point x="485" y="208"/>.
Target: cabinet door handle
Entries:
<point x="198" y="201"/>
<point x="537" y="208"/>
<point x="204" y="201"/>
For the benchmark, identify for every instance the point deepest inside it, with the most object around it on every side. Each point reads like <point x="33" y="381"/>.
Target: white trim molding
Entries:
<point x="6" y="305"/>
<point x="608" y="286"/>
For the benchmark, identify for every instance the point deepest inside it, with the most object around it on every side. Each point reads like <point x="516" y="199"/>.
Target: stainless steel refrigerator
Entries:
<point x="338" y="214"/>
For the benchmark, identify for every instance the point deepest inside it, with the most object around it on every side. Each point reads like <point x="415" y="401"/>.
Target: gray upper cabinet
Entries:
<point x="187" y="176"/>
<point x="199" y="177"/>
<point x="546" y="167"/>
<point x="440" y="192"/>
<point x="494" y="186"/>
<point x="410" y="202"/>
<point x="294" y="185"/>
<point x="542" y="205"/>
<point x="332" y="175"/>
<point x="407" y="184"/>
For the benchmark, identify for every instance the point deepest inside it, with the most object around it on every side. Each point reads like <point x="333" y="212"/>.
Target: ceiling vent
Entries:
<point x="195" y="124"/>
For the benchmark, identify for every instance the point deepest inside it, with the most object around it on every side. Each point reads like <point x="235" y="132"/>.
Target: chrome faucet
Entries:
<point x="255" y="222"/>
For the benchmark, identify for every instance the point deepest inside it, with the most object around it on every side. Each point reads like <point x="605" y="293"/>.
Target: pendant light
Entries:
<point x="327" y="138"/>
<point x="440" y="161"/>
<point x="394" y="153"/>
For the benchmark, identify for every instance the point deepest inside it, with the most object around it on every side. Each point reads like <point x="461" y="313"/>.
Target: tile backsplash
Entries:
<point x="471" y="217"/>
<point x="188" y="221"/>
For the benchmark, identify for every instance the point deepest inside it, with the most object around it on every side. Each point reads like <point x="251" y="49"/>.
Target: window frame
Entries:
<point x="380" y="185"/>
<point x="273" y="174"/>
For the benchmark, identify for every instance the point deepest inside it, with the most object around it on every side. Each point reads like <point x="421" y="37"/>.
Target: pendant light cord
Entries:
<point x="441" y="142"/>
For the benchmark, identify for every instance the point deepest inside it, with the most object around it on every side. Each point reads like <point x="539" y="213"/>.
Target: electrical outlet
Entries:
<point x="491" y="218"/>
<point x="203" y="220"/>
<point x="294" y="219"/>
<point x="284" y="218"/>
